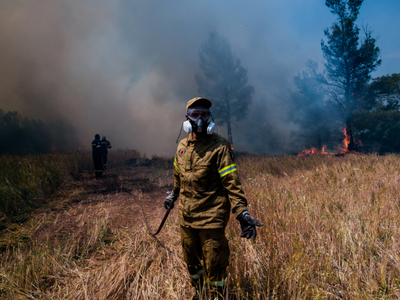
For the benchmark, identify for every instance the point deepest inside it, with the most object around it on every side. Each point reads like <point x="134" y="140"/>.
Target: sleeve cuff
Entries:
<point x="238" y="211"/>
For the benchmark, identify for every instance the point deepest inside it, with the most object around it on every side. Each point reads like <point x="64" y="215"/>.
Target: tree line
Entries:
<point x="27" y="136"/>
<point x="343" y="95"/>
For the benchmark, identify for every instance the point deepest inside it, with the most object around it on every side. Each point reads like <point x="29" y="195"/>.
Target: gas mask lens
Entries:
<point x="196" y="114"/>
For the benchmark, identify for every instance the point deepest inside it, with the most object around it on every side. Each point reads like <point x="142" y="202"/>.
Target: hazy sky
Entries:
<point x="125" y="69"/>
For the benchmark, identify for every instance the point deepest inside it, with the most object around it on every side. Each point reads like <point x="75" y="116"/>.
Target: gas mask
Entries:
<point x="198" y="122"/>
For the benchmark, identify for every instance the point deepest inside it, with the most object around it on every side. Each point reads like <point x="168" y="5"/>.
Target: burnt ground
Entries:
<point x="87" y="202"/>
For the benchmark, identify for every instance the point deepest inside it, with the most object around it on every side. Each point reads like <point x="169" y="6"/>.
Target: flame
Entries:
<point x="342" y="149"/>
<point x="346" y="142"/>
<point x="313" y="151"/>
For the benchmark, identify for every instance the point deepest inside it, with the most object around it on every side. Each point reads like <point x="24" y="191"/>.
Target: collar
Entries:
<point x="204" y="139"/>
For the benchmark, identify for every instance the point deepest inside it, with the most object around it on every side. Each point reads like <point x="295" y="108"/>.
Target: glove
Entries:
<point x="169" y="201"/>
<point x="248" y="225"/>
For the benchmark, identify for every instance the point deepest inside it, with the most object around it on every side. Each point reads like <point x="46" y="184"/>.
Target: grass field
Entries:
<point x="331" y="230"/>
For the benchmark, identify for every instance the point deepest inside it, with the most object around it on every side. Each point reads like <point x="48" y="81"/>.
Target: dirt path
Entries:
<point x="88" y="200"/>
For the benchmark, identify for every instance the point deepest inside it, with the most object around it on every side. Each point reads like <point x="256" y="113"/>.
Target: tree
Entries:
<point x="25" y="136"/>
<point x="385" y="92"/>
<point x="379" y="126"/>
<point x="224" y="81"/>
<point x="349" y="61"/>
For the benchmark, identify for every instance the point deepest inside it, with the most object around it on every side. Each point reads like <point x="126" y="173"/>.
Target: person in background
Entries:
<point x="105" y="145"/>
<point x="97" y="157"/>
<point x="208" y="185"/>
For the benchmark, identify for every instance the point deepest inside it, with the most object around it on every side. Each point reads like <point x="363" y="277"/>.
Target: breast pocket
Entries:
<point x="203" y="177"/>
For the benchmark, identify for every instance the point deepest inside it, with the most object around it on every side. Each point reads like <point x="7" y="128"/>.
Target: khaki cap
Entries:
<point x="199" y="101"/>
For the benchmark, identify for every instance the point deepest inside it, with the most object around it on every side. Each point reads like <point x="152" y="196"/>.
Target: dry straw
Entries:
<point x="331" y="231"/>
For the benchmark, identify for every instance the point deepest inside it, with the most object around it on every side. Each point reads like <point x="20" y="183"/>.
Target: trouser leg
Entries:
<point x="104" y="162"/>
<point x="206" y="253"/>
<point x="215" y="250"/>
<point x="98" y="166"/>
<point x="192" y="254"/>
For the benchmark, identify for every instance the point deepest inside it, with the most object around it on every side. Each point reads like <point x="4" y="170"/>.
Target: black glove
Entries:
<point x="248" y="225"/>
<point x="169" y="201"/>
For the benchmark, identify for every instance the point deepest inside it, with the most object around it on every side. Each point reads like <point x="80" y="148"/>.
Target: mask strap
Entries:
<point x="179" y="134"/>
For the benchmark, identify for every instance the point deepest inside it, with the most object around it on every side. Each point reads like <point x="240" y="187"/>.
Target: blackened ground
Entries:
<point x="87" y="200"/>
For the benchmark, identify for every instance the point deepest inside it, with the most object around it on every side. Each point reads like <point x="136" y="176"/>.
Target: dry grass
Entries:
<point x="331" y="231"/>
<point x="330" y="226"/>
<point x="28" y="182"/>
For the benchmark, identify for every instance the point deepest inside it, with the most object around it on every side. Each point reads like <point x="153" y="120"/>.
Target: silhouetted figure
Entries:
<point x="97" y="157"/>
<point x="105" y="145"/>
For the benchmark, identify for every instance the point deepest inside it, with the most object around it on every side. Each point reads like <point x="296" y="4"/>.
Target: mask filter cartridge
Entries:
<point x="188" y="128"/>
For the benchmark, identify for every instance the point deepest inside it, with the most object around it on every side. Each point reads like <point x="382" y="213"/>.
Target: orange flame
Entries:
<point x="313" y="151"/>
<point x="346" y="142"/>
<point x="342" y="149"/>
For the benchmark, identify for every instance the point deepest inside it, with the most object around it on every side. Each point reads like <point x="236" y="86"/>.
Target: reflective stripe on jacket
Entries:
<point x="207" y="181"/>
<point x="104" y="146"/>
<point x="96" y="148"/>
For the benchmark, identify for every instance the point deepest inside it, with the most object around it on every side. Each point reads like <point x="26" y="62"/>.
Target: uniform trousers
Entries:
<point x="98" y="165"/>
<point x="104" y="156"/>
<point x="206" y="253"/>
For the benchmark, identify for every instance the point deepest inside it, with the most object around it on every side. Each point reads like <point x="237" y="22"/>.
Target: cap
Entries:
<point x="199" y="101"/>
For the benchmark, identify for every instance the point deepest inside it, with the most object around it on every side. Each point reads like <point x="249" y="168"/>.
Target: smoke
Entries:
<point x="125" y="69"/>
<point x="96" y="65"/>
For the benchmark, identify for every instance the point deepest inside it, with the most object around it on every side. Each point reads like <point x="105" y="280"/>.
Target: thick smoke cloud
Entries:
<point x="125" y="69"/>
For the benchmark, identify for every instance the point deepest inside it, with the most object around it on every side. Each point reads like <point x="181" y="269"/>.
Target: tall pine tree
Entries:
<point x="349" y="61"/>
<point x="224" y="81"/>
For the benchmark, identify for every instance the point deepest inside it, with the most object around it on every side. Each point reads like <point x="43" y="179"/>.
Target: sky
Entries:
<point x="125" y="69"/>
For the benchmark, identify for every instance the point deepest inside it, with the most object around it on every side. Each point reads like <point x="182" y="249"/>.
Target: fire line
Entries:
<point x="342" y="149"/>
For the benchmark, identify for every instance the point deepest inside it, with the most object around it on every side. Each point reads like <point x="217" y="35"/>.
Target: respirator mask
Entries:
<point x="198" y="121"/>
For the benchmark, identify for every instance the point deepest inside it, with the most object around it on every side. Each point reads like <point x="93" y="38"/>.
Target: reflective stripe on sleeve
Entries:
<point x="176" y="166"/>
<point x="195" y="276"/>
<point x="217" y="283"/>
<point x="225" y="171"/>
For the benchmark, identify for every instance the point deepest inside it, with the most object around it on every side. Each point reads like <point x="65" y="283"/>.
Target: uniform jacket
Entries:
<point x="104" y="146"/>
<point x="96" y="148"/>
<point x="207" y="182"/>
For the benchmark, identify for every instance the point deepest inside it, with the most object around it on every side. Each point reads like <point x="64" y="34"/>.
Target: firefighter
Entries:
<point x="207" y="183"/>
<point x="97" y="157"/>
<point x="105" y="145"/>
